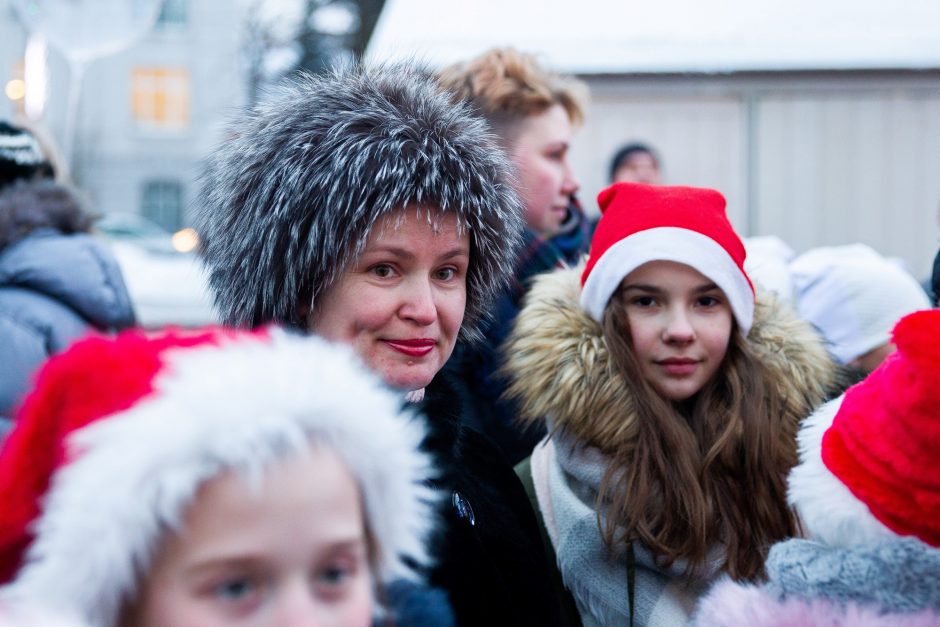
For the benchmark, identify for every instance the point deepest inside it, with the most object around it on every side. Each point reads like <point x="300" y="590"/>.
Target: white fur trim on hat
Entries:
<point x="668" y="244"/>
<point x="235" y="407"/>
<point x="829" y="511"/>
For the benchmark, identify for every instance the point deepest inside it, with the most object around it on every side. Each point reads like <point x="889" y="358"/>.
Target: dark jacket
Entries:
<point x="935" y="281"/>
<point x="54" y="288"/>
<point x="476" y="366"/>
<point x="411" y="604"/>
<point x="490" y="557"/>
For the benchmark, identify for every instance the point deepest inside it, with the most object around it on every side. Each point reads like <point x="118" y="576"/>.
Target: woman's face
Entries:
<point x="402" y="302"/>
<point x="539" y="153"/>
<point x="680" y="324"/>
<point x="291" y="550"/>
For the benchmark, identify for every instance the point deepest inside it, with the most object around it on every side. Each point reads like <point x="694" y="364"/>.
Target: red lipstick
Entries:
<point x="418" y="347"/>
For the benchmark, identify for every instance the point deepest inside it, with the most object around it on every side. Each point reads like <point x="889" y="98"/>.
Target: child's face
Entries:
<point x="290" y="551"/>
<point x="680" y="323"/>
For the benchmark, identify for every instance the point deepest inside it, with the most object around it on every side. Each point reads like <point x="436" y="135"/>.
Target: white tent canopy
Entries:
<point x="628" y="36"/>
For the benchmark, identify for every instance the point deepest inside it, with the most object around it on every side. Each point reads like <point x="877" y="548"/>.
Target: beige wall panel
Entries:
<point x="840" y="169"/>
<point x="700" y="139"/>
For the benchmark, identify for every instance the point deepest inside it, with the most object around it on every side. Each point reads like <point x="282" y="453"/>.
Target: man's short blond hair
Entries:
<point x="506" y="86"/>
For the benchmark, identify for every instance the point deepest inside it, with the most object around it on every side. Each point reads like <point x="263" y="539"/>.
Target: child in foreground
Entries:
<point x="212" y="478"/>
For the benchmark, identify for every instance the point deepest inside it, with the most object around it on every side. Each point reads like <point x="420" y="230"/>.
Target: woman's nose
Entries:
<point x="570" y="185"/>
<point x="418" y="302"/>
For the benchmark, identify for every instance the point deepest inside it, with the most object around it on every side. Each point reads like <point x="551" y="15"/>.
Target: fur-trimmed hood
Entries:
<point x="558" y="361"/>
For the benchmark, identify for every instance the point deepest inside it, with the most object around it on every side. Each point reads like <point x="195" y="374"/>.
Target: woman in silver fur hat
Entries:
<point x="365" y="207"/>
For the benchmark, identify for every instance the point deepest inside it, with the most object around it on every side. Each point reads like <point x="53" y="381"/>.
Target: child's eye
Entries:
<point x="708" y="301"/>
<point x="642" y="301"/>
<point x="334" y="575"/>
<point x="236" y="589"/>
<point x="334" y="579"/>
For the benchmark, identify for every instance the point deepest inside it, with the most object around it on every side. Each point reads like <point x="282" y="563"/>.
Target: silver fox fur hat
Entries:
<point x="291" y="196"/>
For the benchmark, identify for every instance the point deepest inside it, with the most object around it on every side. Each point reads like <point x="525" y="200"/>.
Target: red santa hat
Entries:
<point x="118" y="435"/>
<point x="869" y="464"/>
<point x="642" y="223"/>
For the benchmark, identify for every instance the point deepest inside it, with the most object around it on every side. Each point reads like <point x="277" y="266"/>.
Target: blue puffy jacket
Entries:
<point x="54" y="288"/>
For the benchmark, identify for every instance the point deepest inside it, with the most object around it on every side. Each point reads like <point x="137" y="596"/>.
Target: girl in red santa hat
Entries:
<point x="672" y="396"/>
<point x="868" y="493"/>
<point x="213" y="478"/>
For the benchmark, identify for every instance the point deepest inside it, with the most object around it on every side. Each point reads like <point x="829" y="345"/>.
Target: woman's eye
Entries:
<point x="381" y="270"/>
<point x="446" y="274"/>
<point x="708" y="301"/>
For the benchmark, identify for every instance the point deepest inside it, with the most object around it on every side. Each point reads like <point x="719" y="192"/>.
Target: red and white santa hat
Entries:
<point x="119" y="434"/>
<point x="642" y="223"/>
<point x="869" y="465"/>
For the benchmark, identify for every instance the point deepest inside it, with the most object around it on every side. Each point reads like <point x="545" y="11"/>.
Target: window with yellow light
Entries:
<point x="160" y="98"/>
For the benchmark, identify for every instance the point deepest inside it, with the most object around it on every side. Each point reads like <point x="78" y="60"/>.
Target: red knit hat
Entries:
<point x="642" y="223"/>
<point x="119" y="433"/>
<point x="97" y="378"/>
<point x="871" y="456"/>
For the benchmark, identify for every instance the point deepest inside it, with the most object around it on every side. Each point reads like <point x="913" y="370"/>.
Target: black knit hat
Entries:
<point x="21" y="156"/>
<point x="291" y="196"/>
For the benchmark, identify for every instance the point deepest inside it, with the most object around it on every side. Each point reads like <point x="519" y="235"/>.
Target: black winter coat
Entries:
<point x="489" y="552"/>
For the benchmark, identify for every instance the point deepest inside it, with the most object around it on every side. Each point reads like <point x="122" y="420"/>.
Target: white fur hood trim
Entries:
<point x="232" y="407"/>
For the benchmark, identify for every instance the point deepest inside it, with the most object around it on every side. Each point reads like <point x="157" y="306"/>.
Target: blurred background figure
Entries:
<point x="533" y="113"/>
<point x="854" y="296"/>
<point x="935" y="280"/>
<point x="57" y="282"/>
<point x="768" y="264"/>
<point x="636" y="163"/>
<point x="21" y="156"/>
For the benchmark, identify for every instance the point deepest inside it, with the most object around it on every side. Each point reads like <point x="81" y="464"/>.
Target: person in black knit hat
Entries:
<point x="57" y="281"/>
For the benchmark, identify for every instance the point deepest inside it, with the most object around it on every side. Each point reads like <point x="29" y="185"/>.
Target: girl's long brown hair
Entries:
<point x="711" y="474"/>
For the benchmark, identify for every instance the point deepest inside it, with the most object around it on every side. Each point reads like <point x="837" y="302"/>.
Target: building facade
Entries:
<point x="148" y="114"/>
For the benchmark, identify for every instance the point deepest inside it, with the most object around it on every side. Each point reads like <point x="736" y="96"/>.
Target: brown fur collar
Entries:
<point x="557" y="360"/>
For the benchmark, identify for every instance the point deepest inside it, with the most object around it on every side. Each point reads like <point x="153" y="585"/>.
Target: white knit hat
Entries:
<point x="853" y="296"/>
<point x="119" y="434"/>
<point x="768" y="264"/>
